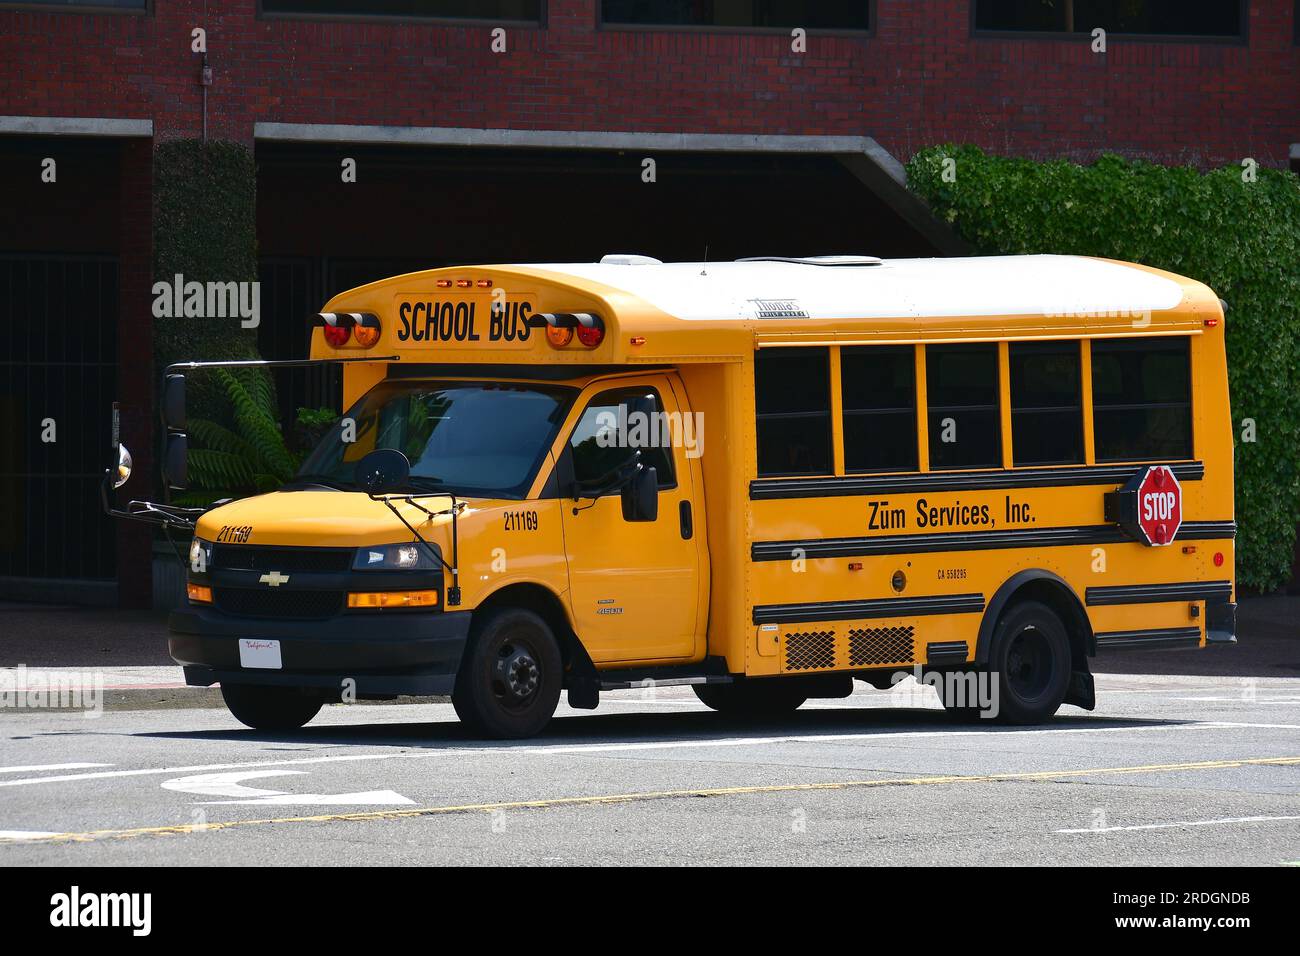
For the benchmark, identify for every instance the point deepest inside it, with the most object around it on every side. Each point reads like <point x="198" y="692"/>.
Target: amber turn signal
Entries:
<point x="198" y="593"/>
<point x="392" y="599"/>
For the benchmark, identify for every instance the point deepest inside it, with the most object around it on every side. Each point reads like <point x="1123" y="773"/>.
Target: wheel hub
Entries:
<point x="520" y="674"/>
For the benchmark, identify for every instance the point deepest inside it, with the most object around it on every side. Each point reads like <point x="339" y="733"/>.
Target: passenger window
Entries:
<point x="1142" y="398"/>
<point x="962" y="393"/>
<point x="878" y="385"/>
<point x="611" y="431"/>
<point x="1046" y="403"/>
<point x="793" y="395"/>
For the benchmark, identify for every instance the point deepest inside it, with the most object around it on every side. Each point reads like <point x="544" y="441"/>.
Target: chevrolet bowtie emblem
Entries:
<point x="274" y="579"/>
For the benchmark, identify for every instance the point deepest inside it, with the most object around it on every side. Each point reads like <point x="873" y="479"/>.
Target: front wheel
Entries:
<point x="270" y="708"/>
<point x="772" y="697"/>
<point x="509" y="680"/>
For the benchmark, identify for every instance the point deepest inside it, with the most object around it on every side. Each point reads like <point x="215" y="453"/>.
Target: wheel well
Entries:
<point x="1048" y="589"/>
<point x="545" y="604"/>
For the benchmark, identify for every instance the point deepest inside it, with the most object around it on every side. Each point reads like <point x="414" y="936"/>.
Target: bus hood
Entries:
<point x="321" y="518"/>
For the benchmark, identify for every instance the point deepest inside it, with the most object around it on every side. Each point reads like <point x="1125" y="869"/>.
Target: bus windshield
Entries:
<point x="475" y="439"/>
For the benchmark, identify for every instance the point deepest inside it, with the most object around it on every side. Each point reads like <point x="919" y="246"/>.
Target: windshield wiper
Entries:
<point x="328" y="480"/>
<point x="428" y="483"/>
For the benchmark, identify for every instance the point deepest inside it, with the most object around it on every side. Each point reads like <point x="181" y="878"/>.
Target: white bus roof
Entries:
<point x="861" y="288"/>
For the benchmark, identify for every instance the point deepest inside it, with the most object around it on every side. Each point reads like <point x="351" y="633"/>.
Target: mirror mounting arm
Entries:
<point x="453" y="592"/>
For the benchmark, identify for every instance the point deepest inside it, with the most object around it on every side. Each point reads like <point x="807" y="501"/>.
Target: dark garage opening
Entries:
<point x="58" y="361"/>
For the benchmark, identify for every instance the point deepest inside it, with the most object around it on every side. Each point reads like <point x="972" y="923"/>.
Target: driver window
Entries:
<point x="610" y="433"/>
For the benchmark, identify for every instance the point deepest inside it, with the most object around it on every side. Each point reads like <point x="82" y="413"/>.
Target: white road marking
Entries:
<point x="228" y="785"/>
<point x="27" y="834"/>
<point x="32" y="768"/>
<point x="1184" y="823"/>
<point x="990" y="733"/>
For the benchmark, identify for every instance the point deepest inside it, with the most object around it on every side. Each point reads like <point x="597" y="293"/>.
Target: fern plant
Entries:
<point x="248" y="458"/>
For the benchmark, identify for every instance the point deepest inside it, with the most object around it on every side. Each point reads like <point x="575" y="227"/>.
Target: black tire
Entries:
<point x="1030" y="656"/>
<point x="773" y="697"/>
<point x="270" y="708"/>
<point x="509" y="681"/>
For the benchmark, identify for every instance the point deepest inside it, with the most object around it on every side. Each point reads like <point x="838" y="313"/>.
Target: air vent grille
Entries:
<point x="809" y="650"/>
<point x="870" y="646"/>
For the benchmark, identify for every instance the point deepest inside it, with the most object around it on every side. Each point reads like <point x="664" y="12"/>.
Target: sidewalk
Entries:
<point x="129" y="649"/>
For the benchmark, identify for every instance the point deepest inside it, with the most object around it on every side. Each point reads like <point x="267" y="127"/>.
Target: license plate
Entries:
<point x="257" y="653"/>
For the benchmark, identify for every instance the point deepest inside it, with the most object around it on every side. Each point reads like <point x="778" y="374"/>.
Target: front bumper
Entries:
<point x="386" y="654"/>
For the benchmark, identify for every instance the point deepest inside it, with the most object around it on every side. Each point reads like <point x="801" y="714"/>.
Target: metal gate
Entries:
<point x="58" y="371"/>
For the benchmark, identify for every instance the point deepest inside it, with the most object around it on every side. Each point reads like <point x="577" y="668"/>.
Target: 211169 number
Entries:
<point x="521" y="521"/>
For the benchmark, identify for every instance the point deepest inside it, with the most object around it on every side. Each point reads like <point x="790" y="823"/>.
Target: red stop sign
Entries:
<point x="1159" y="505"/>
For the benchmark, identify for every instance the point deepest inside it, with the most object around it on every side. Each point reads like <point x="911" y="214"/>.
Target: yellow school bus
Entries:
<point x="763" y="478"/>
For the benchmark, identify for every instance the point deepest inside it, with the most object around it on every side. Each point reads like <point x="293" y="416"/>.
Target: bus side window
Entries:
<point x="792" y="393"/>
<point x="1142" y="398"/>
<point x="878" y="384"/>
<point x="962" y="392"/>
<point x="607" y="436"/>
<point x="1046" y="403"/>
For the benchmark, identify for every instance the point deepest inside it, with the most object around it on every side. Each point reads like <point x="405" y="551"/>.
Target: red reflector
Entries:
<point x="591" y="335"/>
<point x="337" y="335"/>
<point x="1218" y="559"/>
<point x="1211" y="323"/>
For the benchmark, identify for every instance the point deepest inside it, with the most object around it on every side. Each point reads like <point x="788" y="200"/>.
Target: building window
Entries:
<point x="529" y="11"/>
<point x="777" y="14"/>
<point x="1142" y="399"/>
<point x="598" y="444"/>
<point x="878" y="385"/>
<point x="1046" y="403"/>
<point x="1199" y="18"/>
<point x="962" y="388"/>
<point x="793" y="398"/>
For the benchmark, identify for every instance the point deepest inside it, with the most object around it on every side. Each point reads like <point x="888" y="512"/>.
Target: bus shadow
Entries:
<point x="663" y="728"/>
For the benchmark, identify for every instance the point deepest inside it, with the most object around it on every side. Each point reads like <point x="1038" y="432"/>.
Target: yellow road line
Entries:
<point x="600" y="800"/>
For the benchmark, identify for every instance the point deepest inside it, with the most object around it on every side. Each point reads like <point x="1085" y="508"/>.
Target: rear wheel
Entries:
<point x="760" y="698"/>
<point x="270" y="708"/>
<point x="509" y="680"/>
<point x="1030" y="659"/>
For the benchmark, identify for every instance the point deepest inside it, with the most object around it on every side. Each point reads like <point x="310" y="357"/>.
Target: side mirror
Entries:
<point x="173" y="403"/>
<point x="641" y="496"/>
<point x="176" y="461"/>
<point x="123" y="467"/>
<point x="382" y="470"/>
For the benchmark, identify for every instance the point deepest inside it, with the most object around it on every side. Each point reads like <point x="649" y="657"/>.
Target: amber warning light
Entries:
<point x="563" y="327"/>
<point x="349" y="329"/>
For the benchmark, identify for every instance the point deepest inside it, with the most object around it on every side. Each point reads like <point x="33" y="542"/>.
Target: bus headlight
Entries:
<point x="200" y="555"/>
<point x="394" y="557"/>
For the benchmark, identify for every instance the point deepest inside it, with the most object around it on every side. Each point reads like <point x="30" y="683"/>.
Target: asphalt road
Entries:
<point x="1168" y="771"/>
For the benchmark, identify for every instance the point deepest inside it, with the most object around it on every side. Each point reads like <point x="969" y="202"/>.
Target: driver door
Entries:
<point x="633" y="585"/>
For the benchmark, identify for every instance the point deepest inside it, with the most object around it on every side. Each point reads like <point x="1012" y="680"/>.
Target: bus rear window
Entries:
<point x="793" y="392"/>
<point x="1046" y="403"/>
<point x="962" y="391"/>
<point x="1142" y="399"/>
